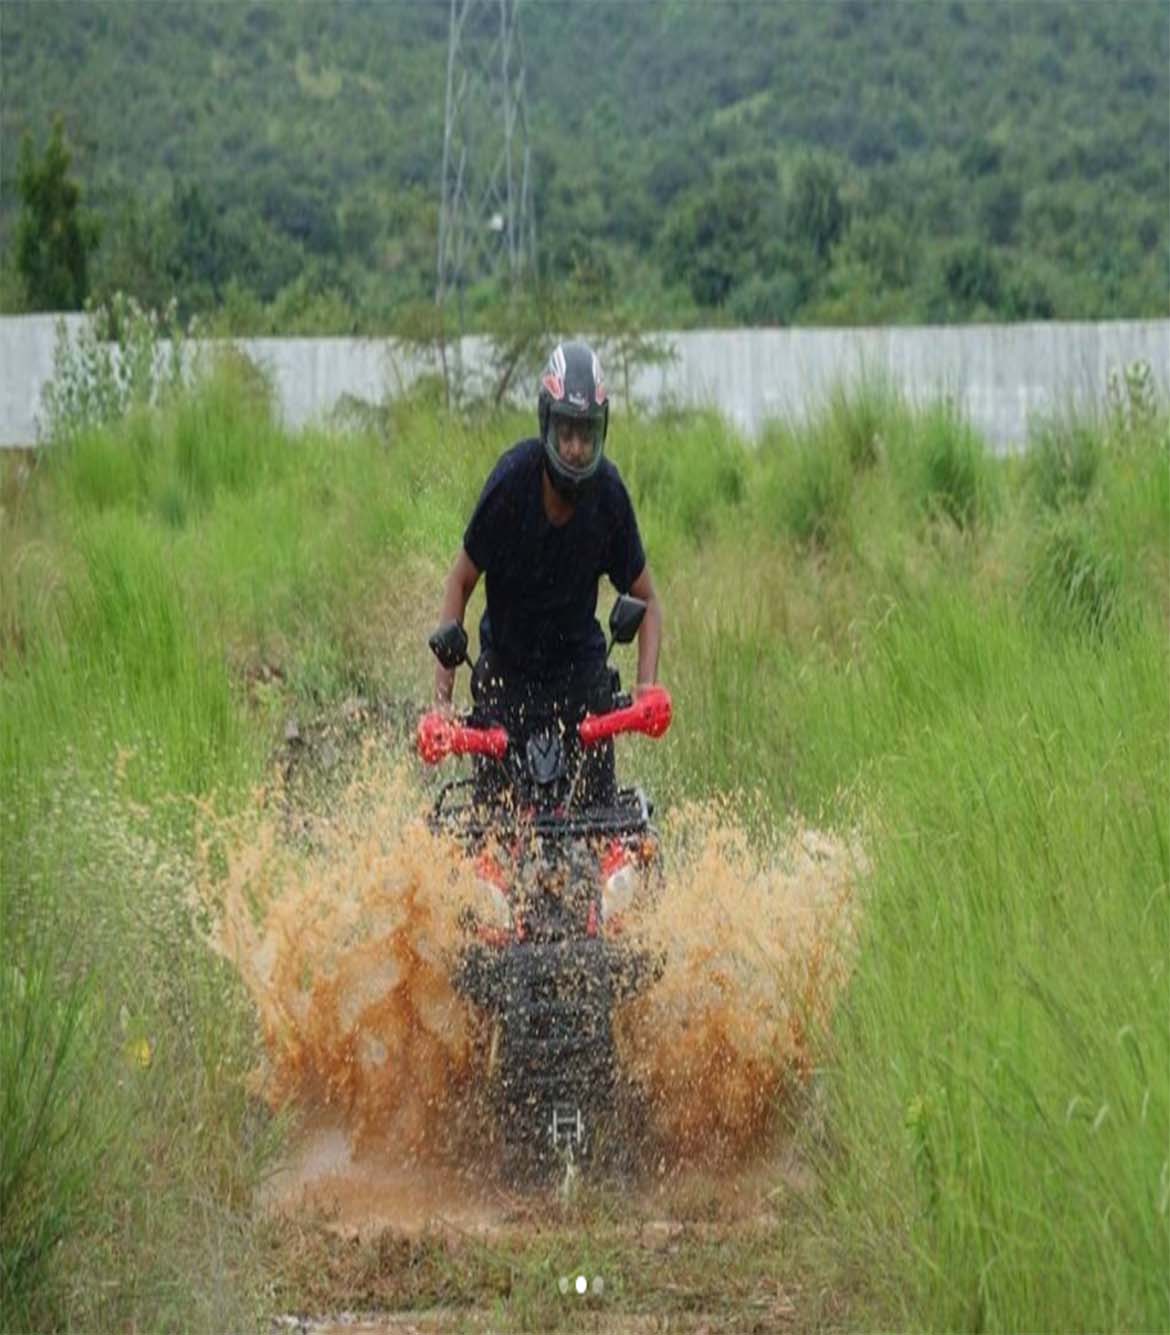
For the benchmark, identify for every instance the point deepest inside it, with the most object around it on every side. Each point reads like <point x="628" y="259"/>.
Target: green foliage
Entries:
<point x="887" y="250"/>
<point x="971" y="281"/>
<point x="687" y="474"/>
<point x="1000" y="208"/>
<point x="626" y="347"/>
<point x="225" y="439"/>
<point x="122" y="357"/>
<point x="53" y="236"/>
<point x="49" y="1143"/>
<point x="996" y="1075"/>
<point x="1134" y="409"/>
<point x="954" y="478"/>
<point x="721" y="234"/>
<point x="138" y="1145"/>
<point x="657" y="143"/>
<point x="1075" y="582"/>
<point x="1028" y="294"/>
<point x="810" y="484"/>
<point x="135" y="256"/>
<point x="816" y="215"/>
<point x="861" y="414"/>
<point x="773" y="300"/>
<point x="1063" y="460"/>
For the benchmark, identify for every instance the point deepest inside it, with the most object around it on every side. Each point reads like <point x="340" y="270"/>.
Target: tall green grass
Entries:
<point x="871" y="621"/>
<point x="999" y="1078"/>
<point x="50" y="1143"/>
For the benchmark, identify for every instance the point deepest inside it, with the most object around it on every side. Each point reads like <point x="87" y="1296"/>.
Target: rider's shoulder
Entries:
<point x="612" y="484"/>
<point x="519" y="458"/>
<point x="513" y="464"/>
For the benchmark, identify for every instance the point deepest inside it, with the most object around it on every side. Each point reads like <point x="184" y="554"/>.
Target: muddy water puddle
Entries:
<point x="363" y="1194"/>
<point x="358" y="1194"/>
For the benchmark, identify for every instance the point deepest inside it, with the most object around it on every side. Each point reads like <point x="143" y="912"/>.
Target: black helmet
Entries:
<point x="572" y="391"/>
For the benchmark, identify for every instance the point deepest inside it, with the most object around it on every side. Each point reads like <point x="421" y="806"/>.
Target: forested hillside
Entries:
<point x="278" y="165"/>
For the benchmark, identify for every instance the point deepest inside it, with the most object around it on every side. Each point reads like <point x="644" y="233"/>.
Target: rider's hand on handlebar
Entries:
<point x="642" y="687"/>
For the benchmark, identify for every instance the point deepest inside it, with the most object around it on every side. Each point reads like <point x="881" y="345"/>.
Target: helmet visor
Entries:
<point x="577" y="442"/>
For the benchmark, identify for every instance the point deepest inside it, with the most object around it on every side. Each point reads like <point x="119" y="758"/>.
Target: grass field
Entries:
<point x="872" y="625"/>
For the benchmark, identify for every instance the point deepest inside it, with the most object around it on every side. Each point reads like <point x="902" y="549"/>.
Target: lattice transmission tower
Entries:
<point x="486" y="224"/>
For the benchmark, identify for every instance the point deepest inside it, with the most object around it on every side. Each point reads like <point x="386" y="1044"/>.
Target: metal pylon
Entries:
<point x="486" y="225"/>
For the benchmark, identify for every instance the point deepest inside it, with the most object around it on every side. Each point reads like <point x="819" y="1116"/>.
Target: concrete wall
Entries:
<point x="26" y="363"/>
<point x="1000" y="374"/>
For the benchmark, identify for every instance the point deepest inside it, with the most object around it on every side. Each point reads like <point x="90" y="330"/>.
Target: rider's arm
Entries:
<point x="461" y="580"/>
<point x="650" y="631"/>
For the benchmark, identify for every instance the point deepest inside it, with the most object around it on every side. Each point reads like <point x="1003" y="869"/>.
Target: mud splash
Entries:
<point x="345" y="938"/>
<point x="756" y="943"/>
<point x="344" y="941"/>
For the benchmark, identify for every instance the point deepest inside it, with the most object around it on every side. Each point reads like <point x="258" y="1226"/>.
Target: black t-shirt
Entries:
<point x="542" y="579"/>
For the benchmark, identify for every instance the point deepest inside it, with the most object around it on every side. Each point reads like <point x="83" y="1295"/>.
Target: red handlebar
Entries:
<point x="439" y="737"/>
<point x="650" y="714"/>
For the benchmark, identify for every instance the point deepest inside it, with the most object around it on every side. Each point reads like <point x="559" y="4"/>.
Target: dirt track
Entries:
<point x="369" y="1247"/>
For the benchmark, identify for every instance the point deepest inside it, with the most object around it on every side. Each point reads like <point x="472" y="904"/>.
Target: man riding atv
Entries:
<point x="553" y="517"/>
<point x="560" y="852"/>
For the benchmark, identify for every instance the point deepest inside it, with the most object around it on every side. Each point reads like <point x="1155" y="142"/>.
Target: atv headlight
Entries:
<point x="492" y="903"/>
<point x="619" y="880"/>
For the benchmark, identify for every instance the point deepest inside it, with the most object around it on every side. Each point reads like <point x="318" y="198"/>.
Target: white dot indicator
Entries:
<point x="582" y="1284"/>
<point x="598" y="1286"/>
<point x="563" y="1283"/>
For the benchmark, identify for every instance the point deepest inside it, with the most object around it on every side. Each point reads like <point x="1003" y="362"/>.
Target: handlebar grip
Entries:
<point x="649" y="714"/>
<point x="439" y="737"/>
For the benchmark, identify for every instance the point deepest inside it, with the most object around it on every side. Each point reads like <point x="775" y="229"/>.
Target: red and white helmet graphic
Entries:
<point x="554" y="373"/>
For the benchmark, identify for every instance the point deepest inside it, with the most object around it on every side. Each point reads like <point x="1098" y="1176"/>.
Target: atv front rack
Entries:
<point x="629" y="814"/>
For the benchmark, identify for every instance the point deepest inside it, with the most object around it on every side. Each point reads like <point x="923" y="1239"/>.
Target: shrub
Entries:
<point x="772" y="300"/>
<point x="858" y="415"/>
<point x="1063" y="462"/>
<point x="1132" y="399"/>
<point x="954" y="479"/>
<point x="970" y="277"/>
<point x="694" y="469"/>
<point x="1074" y="581"/>
<point x="225" y="438"/>
<point x="811" y="485"/>
<point x="123" y="355"/>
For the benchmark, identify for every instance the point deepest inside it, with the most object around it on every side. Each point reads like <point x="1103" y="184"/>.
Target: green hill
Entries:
<point x="741" y="163"/>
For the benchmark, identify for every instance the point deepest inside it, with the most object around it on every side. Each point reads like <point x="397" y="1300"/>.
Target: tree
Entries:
<point x="816" y="214"/>
<point x="199" y="259"/>
<point x="54" y="238"/>
<point x="134" y="256"/>
<point x="717" y="236"/>
<point x="971" y="277"/>
<point x="1000" y="206"/>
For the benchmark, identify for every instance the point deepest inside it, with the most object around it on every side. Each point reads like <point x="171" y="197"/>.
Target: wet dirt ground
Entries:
<point x="691" y="1248"/>
<point x="362" y="1195"/>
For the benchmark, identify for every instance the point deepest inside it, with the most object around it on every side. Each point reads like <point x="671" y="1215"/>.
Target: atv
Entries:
<point x="544" y="959"/>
